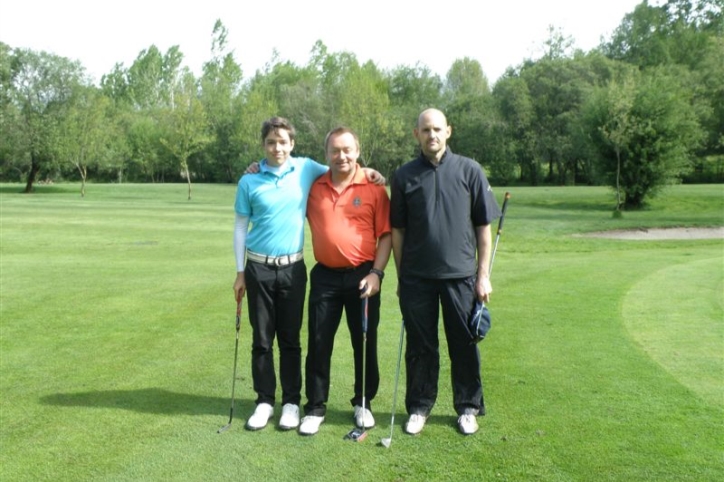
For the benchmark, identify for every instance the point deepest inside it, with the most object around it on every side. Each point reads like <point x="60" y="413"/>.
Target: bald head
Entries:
<point x="433" y="114"/>
<point x="432" y="132"/>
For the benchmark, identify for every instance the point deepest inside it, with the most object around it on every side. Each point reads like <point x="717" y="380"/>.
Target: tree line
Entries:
<point x="642" y="110"/>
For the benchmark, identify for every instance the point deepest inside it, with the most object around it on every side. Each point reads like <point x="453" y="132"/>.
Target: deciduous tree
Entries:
<point x="186" y="125"/>
<point x="42" y="85"/>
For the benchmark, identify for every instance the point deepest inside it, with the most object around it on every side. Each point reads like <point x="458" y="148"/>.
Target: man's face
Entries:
<point x="432" y="132"/>
<point x="342" y="153"/>
<point x="278" y="146"/>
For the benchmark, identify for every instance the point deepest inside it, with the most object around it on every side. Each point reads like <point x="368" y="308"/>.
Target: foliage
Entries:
<point x="222" y="97"/>
<point x="645" y="131"/>
<point x="681" y="32"/>
<point x="187" y="128"/>
<point x="40" y="89"/>
<point x="531" y="127"/>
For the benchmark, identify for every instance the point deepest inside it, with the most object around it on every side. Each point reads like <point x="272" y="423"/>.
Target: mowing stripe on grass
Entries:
<point x="677" y="316"/>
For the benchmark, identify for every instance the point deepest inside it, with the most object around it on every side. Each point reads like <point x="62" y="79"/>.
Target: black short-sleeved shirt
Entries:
<point x="439" y="208"/>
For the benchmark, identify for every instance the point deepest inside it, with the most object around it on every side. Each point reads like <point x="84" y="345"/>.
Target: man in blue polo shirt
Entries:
<point x="441" y="207"/>
<point x="271" y="208"/>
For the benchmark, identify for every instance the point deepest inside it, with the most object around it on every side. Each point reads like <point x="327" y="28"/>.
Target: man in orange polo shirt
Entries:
<point x="351" y="236"/>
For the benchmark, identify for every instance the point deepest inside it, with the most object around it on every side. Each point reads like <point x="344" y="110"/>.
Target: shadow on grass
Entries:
<point x="149" y="400"/>
<point x="164" y="402"/>
<point x="39" y="189"/>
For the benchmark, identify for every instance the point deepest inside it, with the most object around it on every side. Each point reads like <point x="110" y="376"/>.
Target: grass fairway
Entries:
<point x="605" y="360"/>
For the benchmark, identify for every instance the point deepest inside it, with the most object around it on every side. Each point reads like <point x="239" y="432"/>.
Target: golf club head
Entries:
<point x="356" y="435"/>
<point x="224" y="428"/>
<point x="386" y="442"/>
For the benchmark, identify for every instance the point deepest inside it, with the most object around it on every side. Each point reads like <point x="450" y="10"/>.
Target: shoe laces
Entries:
<point x="467" y="418"/>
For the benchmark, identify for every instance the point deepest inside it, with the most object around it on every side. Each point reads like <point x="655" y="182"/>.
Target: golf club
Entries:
<point x="386" y="442"/>
<point x="233" y="379"/>
<point x="479" y="323"/>
<point x="359" y="434"/>
<point x="500" y="230"/>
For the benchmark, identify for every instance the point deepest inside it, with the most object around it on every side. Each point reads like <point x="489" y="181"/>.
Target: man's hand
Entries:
<point x="253" y="168"/>
<point x="374" y="176"/>
<point x="239" y="286"/>
<point x="369" y="286"/>
<point x="483" y="288"/>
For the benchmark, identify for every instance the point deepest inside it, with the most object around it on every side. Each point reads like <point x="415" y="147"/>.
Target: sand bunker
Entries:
<point x="660" y="233"/>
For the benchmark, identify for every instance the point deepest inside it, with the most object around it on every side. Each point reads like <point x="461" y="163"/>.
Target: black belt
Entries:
<point x="346" y="269"/>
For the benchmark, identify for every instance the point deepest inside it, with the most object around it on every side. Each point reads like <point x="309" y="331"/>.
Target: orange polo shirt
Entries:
<point x="345" y="226"/>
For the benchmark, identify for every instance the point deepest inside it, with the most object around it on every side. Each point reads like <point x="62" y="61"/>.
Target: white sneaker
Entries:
<point x="261" y="416"/>
<point x="290" y="417"/>
<point x="467" y="424"/>
<point x="310" y="424"/>
<point x="415" y="424"/>
<point x="363" y="417"/>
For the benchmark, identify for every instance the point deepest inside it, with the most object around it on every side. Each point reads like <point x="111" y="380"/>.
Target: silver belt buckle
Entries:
<point x="280" y="261"/>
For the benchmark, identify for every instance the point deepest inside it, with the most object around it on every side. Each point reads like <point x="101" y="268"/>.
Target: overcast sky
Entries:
<point x="497" y="33"/>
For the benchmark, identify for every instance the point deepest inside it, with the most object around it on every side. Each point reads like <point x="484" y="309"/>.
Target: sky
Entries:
<point x="391" y="33"/>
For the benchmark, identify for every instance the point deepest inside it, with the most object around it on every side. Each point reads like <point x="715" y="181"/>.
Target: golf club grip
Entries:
<point x="238" y="315"/>
<point x="502" y="211"/>
<point x="364" y="315"/>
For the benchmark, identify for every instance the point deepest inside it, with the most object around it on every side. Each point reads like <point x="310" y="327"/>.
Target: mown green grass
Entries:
<point x="605" y="360"/>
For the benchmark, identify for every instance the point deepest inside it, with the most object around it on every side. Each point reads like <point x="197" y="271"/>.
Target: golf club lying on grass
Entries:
<point x="233" y="379"/>
<point x="359" y="434"/>
<point x="478" y="324"/>
<point x="386" y="442"/>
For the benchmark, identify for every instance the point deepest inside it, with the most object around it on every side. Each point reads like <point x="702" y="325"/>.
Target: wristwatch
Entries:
<point x="378" y="272"/>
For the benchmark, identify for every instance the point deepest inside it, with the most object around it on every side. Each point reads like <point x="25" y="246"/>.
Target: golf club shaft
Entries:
<point x="236" y="356"/>
<point x="397" y="380"/>
<point x="364" y="356"/>
<point x="500" y="230"/>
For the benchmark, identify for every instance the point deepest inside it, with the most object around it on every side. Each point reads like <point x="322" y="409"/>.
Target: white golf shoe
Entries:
<point x="363" y="417"/>
<point x="468" y="424"/>
<point x="310" y="424"/>
<point x="260" y="417"/>
<point x="290" y="417"/>
<point x="415" y="424"/>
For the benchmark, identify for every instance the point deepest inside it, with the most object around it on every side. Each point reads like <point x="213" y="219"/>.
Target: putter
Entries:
<point x="386" y="442"/>
<point x="233" y="379"/>
<point x="359" y="434"/>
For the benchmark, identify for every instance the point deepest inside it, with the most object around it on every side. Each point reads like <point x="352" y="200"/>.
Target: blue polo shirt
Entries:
<point x="275" y="201"/>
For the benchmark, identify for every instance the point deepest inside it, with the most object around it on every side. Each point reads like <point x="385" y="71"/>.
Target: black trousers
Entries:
<point x="420" y="301"/>
<point x="276" y="307"/>
<point x="331" y="291"/>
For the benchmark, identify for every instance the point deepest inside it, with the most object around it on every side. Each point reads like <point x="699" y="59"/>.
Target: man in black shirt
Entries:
<point x="441" y="210"/>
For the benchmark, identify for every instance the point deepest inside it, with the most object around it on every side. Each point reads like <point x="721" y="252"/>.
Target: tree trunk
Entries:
<point x="618" y="179"/>
<point x="188" y="176"/>
<point x="34" y="168"/>
<point x="83" y="174"/>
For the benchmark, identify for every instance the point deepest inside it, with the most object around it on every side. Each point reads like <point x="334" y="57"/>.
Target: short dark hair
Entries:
<point x="339" y="131"/>
<point x="275" y="124"/>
